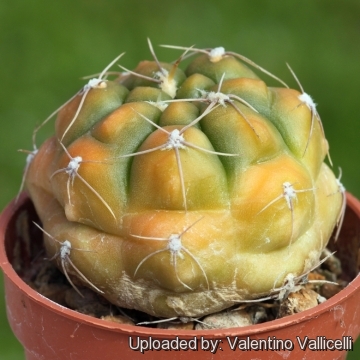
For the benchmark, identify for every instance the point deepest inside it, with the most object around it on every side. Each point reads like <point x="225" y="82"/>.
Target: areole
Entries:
<point x="50" y="331"/>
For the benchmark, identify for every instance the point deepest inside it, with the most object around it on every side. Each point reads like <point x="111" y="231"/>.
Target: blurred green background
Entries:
<point x="46" y="46"/>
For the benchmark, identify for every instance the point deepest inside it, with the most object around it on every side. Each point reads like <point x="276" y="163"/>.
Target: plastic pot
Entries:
<point x="50" y="331"/>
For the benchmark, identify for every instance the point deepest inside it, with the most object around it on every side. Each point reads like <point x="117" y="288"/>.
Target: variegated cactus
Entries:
<point x="181" y="193"/>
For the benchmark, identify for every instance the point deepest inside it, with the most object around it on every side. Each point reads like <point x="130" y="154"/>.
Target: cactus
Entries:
<point x="182" y="193"/>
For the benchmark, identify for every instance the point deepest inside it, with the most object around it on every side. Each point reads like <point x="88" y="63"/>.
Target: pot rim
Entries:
<point x="52" y="306"/>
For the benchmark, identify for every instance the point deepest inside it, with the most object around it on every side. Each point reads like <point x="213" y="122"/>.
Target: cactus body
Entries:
<point x="188" y="193"/>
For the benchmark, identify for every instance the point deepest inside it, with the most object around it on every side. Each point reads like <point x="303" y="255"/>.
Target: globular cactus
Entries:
<point x="183" y="193"/>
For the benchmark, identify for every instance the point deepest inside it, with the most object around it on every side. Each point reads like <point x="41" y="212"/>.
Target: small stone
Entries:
<point x="119" y="319"/>
<point x="321" y="299"/>
<point x="329" y="290"/>
<point x="332" y="263"/>
<point x="176" y="326"/>
<point x="329" y="276"/>
<point x="316" y="276"/>
<point x="298" y="301"/>
<point x="225" y="320"/>
<point x="258" y="314"/>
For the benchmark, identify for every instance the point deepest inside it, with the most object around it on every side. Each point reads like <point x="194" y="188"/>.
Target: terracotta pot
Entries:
<point x="50" y="331"/>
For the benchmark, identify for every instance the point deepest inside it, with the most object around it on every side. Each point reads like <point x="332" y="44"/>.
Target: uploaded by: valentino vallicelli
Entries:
<point x="234" y="343"/>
